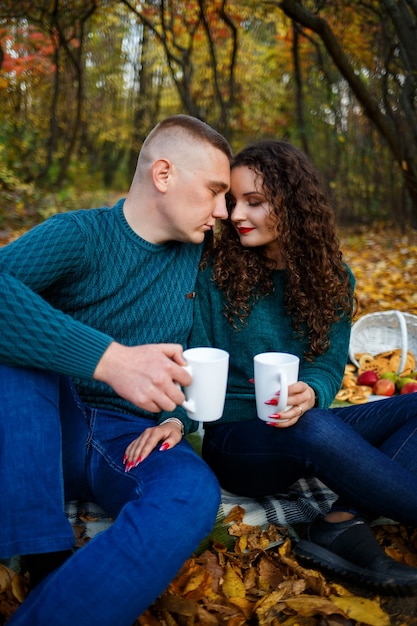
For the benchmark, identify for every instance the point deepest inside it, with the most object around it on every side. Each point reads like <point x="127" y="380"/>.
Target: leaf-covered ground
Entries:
<point x="260" y="585"/>
<point x="258" y="582"/>
<point x="383" y="261"/>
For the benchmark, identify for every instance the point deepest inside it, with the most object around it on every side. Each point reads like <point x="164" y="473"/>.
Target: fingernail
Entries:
<point x="252" y="380"/>
<point x="138" y="460"/>
<point x="273" y="401"/>
<point x="278" y="393"/>
<point x="128" y="466"/>
<point x="164" y="446"/>
<point x="275" y="416"/>
<point x="271" y="424"/>
<point x="124" y="459"/>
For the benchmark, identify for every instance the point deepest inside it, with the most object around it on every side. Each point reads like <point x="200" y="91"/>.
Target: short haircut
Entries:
<point x="193" y="127"/>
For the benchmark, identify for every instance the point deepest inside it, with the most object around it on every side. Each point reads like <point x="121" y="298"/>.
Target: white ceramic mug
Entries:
<point x="274" y="371"/>
<point x="205" y="396"/>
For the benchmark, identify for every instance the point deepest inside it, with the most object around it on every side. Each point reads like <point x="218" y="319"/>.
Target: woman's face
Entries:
<point x="251" y="215"/>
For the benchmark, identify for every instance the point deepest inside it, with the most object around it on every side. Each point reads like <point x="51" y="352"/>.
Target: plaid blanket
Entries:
<point x="305" y="500"/>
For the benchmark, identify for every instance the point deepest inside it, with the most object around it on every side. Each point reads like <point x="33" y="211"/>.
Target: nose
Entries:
<point x="220" y="210"/>
<point x="238" y="214"/>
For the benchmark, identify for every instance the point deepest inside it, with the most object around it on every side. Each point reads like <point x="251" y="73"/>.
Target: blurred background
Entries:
<point x="83" y="81"/>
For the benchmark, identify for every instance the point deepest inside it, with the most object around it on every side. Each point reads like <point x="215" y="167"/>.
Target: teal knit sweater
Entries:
<point x="82" y="279"/>
<point x="268" y="329"/>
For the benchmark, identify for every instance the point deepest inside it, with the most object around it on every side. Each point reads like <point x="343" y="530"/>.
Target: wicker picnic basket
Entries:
<point x="380" y="332"/>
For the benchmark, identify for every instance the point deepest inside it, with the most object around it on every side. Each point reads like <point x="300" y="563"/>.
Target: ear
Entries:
<point x="161" y="173"/>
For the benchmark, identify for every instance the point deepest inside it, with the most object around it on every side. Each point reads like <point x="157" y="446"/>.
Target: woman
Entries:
<point x="275" y="281"/>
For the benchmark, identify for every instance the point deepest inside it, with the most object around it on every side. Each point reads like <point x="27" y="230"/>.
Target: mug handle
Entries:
<point x="283" y="394"/>
<point x="188" y="405"/>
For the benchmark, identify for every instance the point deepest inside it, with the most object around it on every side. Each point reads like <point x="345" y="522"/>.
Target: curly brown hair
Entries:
<point x="318" y="290"/>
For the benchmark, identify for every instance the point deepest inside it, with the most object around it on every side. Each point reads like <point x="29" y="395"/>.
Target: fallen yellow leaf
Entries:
<point x="233" y="586"/>
<point x="365" y="611"/>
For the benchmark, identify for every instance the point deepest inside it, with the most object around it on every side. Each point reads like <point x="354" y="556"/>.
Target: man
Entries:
<point x="97" y="307"/>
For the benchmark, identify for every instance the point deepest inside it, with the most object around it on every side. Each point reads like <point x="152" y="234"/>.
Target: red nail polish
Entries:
<point x="124" y="459"/>
<point x="271" y="424"/>
<point x="275" y="416"/>
<point x="278" y="393"/>
<point x="273" y="401"/>
<point x="138" y="460"/>
<point x="252" y="380"/>
<point x="164" y="446"/>
<point x="128" y="466"/>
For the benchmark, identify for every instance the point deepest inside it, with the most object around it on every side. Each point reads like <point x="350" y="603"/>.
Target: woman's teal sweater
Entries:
<point x="268" y="329"/>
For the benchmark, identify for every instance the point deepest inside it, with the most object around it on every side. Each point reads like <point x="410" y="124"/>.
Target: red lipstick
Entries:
<point x="243" y="230"/>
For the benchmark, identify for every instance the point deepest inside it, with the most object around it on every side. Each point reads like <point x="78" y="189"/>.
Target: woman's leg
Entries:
<point x="390" y="425"/>
<point x="163" y="508"/>
<point x="32" y="501"/>
<point x="253" y="459"/>
<point x="343" y="542"/>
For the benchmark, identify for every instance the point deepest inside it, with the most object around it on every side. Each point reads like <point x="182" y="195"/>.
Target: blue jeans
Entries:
<point x="366" y="453"/>
<point x="162" y="509"/>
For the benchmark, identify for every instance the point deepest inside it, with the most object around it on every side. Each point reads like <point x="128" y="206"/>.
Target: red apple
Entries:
<point x="368" y="378"/>
<point x="409" y="388"/>
<point x="384" y="387"/>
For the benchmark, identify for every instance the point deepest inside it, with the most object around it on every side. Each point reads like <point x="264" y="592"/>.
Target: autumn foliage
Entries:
<point x="28" y="51"/>
<point x="261" y="583"/>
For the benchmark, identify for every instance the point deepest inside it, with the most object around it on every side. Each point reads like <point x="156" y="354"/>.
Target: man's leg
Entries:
<point x="31" y="502"/>
<point x="163" y="508"/>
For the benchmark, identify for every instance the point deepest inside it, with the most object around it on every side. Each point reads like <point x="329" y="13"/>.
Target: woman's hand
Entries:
<point x="164" y="436"/>
<point x="301" y="398"/>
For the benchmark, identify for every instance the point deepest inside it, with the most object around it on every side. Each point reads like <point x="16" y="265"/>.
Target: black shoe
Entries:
<point x="39" y="566"/>
<point x="351" y="550"/>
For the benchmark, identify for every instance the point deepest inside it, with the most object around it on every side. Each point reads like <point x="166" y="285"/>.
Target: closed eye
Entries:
<point x="254" y="198"/>
<point x="217" y="187"/>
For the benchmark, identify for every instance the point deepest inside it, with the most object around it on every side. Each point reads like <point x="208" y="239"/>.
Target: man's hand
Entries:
<point x="148" y="375"/>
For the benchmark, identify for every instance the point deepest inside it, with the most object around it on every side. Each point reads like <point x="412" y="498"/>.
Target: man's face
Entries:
<point x="196" y="196"/>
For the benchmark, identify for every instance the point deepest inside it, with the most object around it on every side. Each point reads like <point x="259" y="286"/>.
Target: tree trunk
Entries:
<point x="398" y="124"/>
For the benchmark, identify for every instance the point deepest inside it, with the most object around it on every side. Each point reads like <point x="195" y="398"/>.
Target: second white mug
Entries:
<point x="273" y="371"/>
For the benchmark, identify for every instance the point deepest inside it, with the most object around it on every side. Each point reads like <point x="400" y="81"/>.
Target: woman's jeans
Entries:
<point x="163" y="508"/>
<point x="366" y="453"/>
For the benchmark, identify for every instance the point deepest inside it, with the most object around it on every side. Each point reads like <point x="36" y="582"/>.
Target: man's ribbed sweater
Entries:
<point x="81" y="279"/>
<point x="268" y="329"/>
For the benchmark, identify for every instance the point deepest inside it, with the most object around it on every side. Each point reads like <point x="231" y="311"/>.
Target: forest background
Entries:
<point x="83" y="81"/>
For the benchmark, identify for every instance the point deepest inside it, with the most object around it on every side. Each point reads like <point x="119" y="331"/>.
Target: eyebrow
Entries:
<point x="253" y="193"/>
<point x="219" y="184"/>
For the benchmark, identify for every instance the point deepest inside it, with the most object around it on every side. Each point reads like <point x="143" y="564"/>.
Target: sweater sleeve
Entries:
<point x="35" y="334"/>
<point x="190" y="425"/>
<point x="325" y="374"/>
